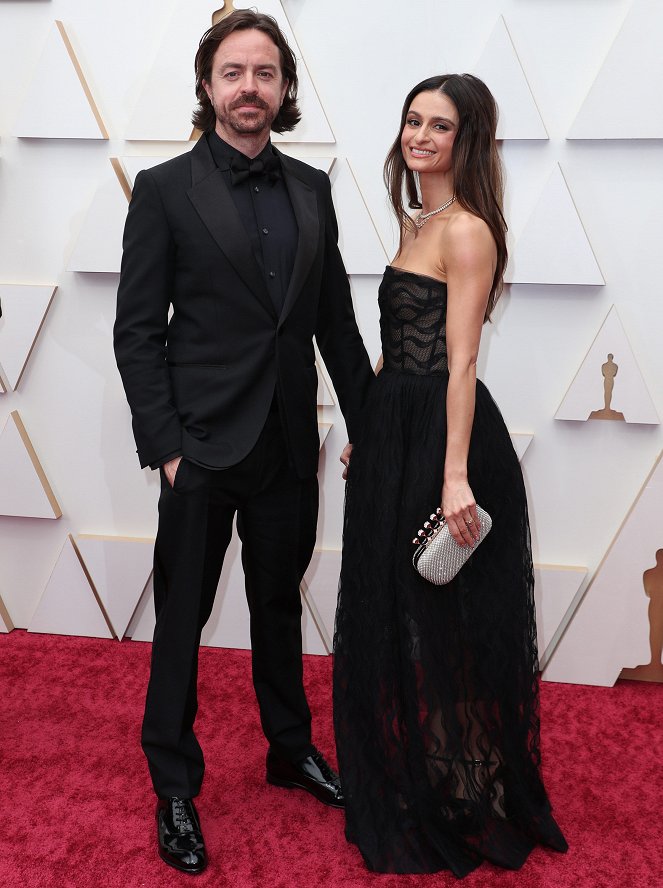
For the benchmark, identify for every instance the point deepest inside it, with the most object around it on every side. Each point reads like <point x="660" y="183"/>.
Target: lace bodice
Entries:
<point x="413" y="315"/>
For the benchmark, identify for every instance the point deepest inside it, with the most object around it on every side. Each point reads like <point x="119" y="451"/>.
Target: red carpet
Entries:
<point x="77" y="805"/>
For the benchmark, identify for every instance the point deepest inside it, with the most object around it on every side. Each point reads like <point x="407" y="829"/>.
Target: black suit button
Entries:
<point x="256" y="188"/>
<point x="265" y="231"/>
<point x="272" y="274"/>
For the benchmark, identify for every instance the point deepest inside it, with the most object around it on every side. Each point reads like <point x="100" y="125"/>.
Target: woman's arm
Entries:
<point x="347" y="450"/>
<point x="469" y="252"/>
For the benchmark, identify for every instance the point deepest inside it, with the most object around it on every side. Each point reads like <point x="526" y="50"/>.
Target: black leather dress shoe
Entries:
<point x="312" y="774"/>
<point x="181" y="842"/>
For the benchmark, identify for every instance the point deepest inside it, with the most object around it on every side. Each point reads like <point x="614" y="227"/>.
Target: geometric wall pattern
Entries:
<point x="362" y="250"/>
<point x="59" y="104"/>
<point x="610" y="627"/>
<point x="118" y="569"/>
<point x="69" y="604"/>
<point x="325" y="397"/>
<point x="500" y="67"/>
<point x="99" y="244"/>
<point x="520" y="441"/>
<point x="24" y="488"/>
<point x="166" y="116"/>
<point x="24" y="310"/>
<point x="609" y="384"/>
<point x="555" y="587"/>
<point x="90" y="583"/>
<point x="6" y="624"/>
<point x="553" y="248"/>
<point x="624" y="102"/>
<point x="324" y="428"/>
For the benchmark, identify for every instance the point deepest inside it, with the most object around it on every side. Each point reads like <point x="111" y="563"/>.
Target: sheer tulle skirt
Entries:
<point x="435" y="688"/>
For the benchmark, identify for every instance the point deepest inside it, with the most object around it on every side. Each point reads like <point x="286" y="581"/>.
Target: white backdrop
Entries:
<point x="582" y="476"/>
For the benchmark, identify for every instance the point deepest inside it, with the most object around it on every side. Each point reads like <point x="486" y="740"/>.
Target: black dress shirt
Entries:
<point x="264" y="206"/>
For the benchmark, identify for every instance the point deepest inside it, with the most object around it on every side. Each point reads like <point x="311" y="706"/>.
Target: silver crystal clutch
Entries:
<point x="439" y="557"/>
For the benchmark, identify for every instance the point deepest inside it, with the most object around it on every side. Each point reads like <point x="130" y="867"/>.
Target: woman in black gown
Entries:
<point x="435" y="687"/>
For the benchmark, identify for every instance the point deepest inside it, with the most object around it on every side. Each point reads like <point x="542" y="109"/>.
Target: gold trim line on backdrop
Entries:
<point x="57" y="511"/>
<point x="81" y="77"/>
<point x="121" y="177"/>
<point x="4" y="616"/>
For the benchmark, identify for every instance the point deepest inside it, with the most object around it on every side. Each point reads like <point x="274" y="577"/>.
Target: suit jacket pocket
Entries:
<point x="198" y="392"/>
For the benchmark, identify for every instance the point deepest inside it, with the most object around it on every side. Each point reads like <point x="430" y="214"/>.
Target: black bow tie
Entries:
<point x="241" y="168"/>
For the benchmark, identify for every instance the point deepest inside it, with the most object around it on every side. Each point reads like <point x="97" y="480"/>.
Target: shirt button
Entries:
<point x="256" y="188"/>
<point x="272" y="274"/>
<point x="265" y="231"/>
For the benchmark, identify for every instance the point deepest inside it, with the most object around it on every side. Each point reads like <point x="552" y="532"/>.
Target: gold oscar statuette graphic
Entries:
<point x="609" y="371"/>
<point x="225" y="10"/>
<point x="652" y="580"/>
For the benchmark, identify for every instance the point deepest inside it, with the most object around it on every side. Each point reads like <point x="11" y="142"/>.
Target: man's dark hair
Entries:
<point x="204" y="117"/>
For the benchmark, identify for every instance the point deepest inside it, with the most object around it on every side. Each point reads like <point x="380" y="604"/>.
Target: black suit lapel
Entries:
<point x="215" y="206"/>
<point x="305" y="206"/>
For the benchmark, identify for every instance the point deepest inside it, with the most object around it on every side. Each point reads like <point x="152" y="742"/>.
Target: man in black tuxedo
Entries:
<point x="241" y="241"/>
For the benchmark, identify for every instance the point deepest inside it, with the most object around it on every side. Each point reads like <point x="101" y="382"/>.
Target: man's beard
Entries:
<point x="241" y="122"/>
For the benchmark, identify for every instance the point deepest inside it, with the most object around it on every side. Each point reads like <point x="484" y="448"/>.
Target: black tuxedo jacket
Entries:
<point x="201" y="384"/>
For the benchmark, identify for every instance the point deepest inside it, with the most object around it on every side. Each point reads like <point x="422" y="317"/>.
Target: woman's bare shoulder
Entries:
<point x="467" y="238"/>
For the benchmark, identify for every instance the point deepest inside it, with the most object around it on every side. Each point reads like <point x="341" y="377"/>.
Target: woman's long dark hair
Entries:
<point x="476" y="166"/>
<point x="204" y="117"/>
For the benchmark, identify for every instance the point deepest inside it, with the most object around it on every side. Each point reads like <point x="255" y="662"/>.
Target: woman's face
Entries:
<point x="430" y="128"/>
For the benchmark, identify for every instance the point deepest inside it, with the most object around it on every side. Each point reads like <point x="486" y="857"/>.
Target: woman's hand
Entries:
<point x="460" y="511"/>
<point x="345" y="459"/>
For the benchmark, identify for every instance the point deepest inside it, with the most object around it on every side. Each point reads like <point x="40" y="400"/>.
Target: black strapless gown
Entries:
<point x="435" y="688"/>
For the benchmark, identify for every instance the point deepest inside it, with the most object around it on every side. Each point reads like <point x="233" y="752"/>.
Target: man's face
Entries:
<point x="246" y="87"/>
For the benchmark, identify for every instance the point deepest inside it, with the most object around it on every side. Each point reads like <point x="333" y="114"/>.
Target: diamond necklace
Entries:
<point x="422" y="218"/>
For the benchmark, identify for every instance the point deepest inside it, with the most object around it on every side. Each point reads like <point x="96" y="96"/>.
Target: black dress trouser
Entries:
<point x="276" y="521"/>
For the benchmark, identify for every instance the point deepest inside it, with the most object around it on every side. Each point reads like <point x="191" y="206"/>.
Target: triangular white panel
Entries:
<point x="141" y="625"/>
<point x="168" y="118"/>
<point x="99" y="244"/>
<point x="609" y="629"/>
<point x="554" y="248"/>
<point x="500" y="67"/>
<point x="324" y="429"/>
<point x="24" y="488"/>
<point x="320" y="589"/>
<point x="555" y="587"/>
<point x="68" y="605"/>
<point x="521" y="442"/>
<point x="312" y="636"/>
<point x="133" y="164"/>
<point x="119" y="568"/>
<point x="589" y="393"/>
<point x="6" y="624"/>
<point x="325" y="397"/>
<point x="360" y="244"/>
<point x="58" y="104"/>
<point x="624" y="101"/>
<point x="24" y="309"/>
